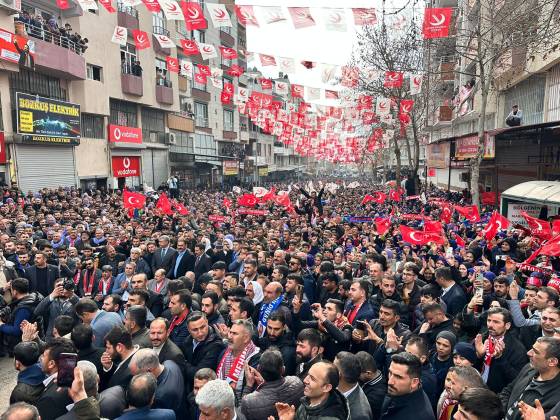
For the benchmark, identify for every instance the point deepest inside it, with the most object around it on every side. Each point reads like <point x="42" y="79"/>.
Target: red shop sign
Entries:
<point x="2" y="148"/>
<point x="122" y="134"/>
<point x="124" y="166"/>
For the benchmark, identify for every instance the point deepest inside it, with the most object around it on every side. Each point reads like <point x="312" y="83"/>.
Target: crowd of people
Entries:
<point x="292" y="309"/>
<point x="49" y="30"/>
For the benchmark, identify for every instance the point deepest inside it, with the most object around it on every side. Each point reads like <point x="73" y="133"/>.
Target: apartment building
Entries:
<point x="139" y="122"/>
<point x="511" y="154"/>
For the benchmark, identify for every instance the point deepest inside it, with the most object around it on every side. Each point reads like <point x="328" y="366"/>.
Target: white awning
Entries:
<point x="537" y="192"/>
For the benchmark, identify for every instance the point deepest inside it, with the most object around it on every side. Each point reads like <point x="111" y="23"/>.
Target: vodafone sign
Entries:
<point x="122" y="134"/>
<point x="124" y="166"/>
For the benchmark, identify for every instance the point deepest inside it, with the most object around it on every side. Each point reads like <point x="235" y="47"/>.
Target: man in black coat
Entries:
<point x="278" y="336"/>
<point x="183" y="261"/>
<point x="164" y="255"/>
<point x="42" y="276"/>
<point x="202" y="263"/>
<point x="88" y="283"/>
<point x="406" y="400"/>
<point x="372" y="382"/>
<point x="82" y="337"/>
<point x="116" y="358"/>
<point x="452" y="294"/>
<point x="155" y="300"/>
<point x="202" y="347"/>
<point x="166" y="349"/>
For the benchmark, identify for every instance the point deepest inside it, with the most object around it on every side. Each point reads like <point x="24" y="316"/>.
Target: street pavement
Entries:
<point x="8" y="377"/>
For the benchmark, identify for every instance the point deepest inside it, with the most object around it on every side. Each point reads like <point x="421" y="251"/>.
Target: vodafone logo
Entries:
<point x="437" y="20"/>
<point x="117" y="133"/>
<point x="126" y="163"/>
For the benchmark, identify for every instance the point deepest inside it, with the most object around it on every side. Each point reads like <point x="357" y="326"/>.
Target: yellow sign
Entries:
<point x="263" y="171"/>
<point x="231" y="167"/>
<point x="26" y="121"/>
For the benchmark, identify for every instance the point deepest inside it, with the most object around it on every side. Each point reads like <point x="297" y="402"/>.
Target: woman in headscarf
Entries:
<point x="255" y="292"/>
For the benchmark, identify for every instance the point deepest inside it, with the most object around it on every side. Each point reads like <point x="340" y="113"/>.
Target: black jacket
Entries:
<point x="505" y="369"/>
<point x="52" y="404"/>
<point x="186" y="264"/>
<point x="455" y="299"/>
<point x="170" y="351"/>
<point x="93" y="355"/>
<point x="45" y="289"/>
<point x="287" y="346"/>
<point x="522" y="388"/>
<point x="415" y="405"/>
<point x="375" y="391"/>
<point x="206" y="354"/>
<point x="431" y="334"/>
<point x="335" y="407"/>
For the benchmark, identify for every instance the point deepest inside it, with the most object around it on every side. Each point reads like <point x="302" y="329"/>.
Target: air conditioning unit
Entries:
<point x="13" y="6"/>
<point x="170" y="138"/>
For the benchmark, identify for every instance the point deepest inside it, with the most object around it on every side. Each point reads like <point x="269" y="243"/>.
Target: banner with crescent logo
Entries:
<point x="120" y="35"/>
<point x="190" y="47"/>
<point x="301" y="17"/>
<point x="246" y="15"/>
<point x="152" y="6"/>
<point x="172" y="64"/>
<point x="207" y="51"/>
<point x="335" y="20"/>
<point x="364" y="16"/>
<point x="194" y="16"/>
<point x="141" y="40"/>
<point x="437" y="22"/>
<point x="171" y="10"/>
<point x="415" y="84"/>
<point x="164" y="41"/>
<point x="218" y="15"/>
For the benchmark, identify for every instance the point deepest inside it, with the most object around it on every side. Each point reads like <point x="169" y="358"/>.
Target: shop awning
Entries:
<point x="535" y="192"/>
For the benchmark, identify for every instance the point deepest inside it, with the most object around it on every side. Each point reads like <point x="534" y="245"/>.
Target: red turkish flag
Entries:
<point x="297" y="91"/>
<point x="539" y="228"/>
<point x="172" y="64"/>
<point x="382" y="225"/>
<point x="164" y="205"/>
<point x="496" y="222"/>
<point x="228" y="53"/>
<point x="247" y="200"/>
<point x="393" y="79"/>
<point x="414" y="237"/>
<point x="152" y="5"/>
<point x="141" y="39"/>
<point x="367" y="199"/>
<point x="436" y="22"/>
<point x="266" y="84"/>
<point x="556" y="227"/>
<point x="133" y="200"/>
<point x="227" y="202"/>
<point x="379" y="197"/>
<point x="190" y="47"/>
<point x="246" y="15"/>
<point x="107" y="5"/>
<point x="62" y="4"/>
<point x="283" y="200"/>
<point x="488" y="198"/>
<point x="551" y="247"/>
<point x="432" y="226"/>
<point x="459" y="240"/>
<point x="394" y="195"/>
<point x="182" y="210"/>
<point x="194" y="16"/>
<point x="446" y="213"/>
<point x="469" y="212"/>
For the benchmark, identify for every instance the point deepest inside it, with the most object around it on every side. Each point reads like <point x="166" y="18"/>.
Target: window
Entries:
<point x="153" y="125"/>
<point x="162" y="75"/>
<point x="123" y="113"/>
<point x="226" y="61"/>
<point x="199" y="86"/>
<point x="201" y="114"/>
<point x="36" y="84"/>
<point x="159" y="24"/>
<point x="228" y="120"/>
<point x="128" y="56"/>
<point x="129" y="10"/>
<point x="185" y="105"/>
<point x="93" y="72"/>
<point x="226" y="29"/>
<point x="181" y="29"/>
<point x="199" y="36"/>
<point x="204" y="145"/>
<point x="92" y="126"/>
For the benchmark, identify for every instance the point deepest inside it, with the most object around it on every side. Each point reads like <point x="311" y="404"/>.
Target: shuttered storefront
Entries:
<point x="155" y="168"/>
<point x="554" y="94"/>
<point x="41" y="166"/>
<point x="529" y="95"/>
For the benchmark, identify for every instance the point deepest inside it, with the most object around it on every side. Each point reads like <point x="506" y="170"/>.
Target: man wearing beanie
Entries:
<point x="442" y="359"/>
<point x="464" y="354"/>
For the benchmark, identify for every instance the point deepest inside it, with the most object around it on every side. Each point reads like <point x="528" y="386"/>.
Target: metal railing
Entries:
<point x="160" y="30"/>
<point x="164" y="81"/>
<point x="201" y="121"/>
<point x="53" y="37"/>
<point x="129" y="10"/>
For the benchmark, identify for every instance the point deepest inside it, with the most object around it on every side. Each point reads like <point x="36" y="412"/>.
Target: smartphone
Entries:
<point x="449" y="252"/>
<point x="360" y="325"/>
<point x="299" y="292"/>
<point x="479" y="292"/>
<point x="480" y="277"/>
<point x="66" y="364"/>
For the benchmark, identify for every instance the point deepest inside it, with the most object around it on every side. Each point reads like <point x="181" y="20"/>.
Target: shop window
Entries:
<point x="93" y="126"/>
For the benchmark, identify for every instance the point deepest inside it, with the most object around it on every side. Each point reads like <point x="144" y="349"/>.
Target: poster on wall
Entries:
<point x="44" y="120"/>
<point x="231" y="167"/>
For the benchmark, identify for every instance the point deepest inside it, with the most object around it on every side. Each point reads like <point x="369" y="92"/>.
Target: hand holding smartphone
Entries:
<point x="66" y="364"/>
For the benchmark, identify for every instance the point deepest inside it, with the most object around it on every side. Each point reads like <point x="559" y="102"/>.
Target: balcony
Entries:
<point x="131" y="84"/>
<point x="447" y="69"/>
<point x="127" y="16"/>
<point x="157" y="47"/>
<point x="55" y="55"/>
<point x="443" y="114"/>
<point x="229" y="135"/>
<point x="164" y="94"/>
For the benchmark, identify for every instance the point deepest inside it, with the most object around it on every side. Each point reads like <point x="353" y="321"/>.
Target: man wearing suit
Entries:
<point x="452" y="294"/>
<point x="184" y="261"/>
<point x="88" y="283"/>
<point x="550" y="320"/>
<point x="202" y="347"/>
<point x="202" y="263"/>
<point x="155" y="300"/>
<point x="349" y="370"/>
<point x="164" y="255"/>
<point x="140" y="396"/>
<point x="42" y="276"/>
<point x="164" y="347"/>
<point x="118" y="352"/>
<point x="51" y="403"/>
<point x="101" y="322"/>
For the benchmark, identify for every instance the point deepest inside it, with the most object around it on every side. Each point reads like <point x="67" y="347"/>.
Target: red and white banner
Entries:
<point x="125" y="166"/>
<point x="164" y="41"/>
<point x="141" y="39"/>
<point x="267" y="60"/>
<point x="62" y="4"/>
<point x="246" y="15"/>
<point x="393" y="79"/>
<point x="172" y="64"/>
<point x="194" y="16"/>
<point x="364" y="16"/>
<point x="297" y="91"/>
<point x="171" y="10"/>
<point x="301" y="17"/>
<point x="437" y="22"/>
<point x="107" y="5"/>
<point x="207" y="51"/>
<point x="272" y="14"/>
<point x="122" y="134"/>
<point x="218" y="14"/>
<point x="286" y="65"/>
<point x="2" y="148"/>
<point x="415" y="84"/>
<point x="335" y="20"/>
<point x="190" y="47"/>
<point x="152" y="5"/>
<point x="228" y="53"/>
<point x="383" y="106"/>
<point x="120" y="35"/>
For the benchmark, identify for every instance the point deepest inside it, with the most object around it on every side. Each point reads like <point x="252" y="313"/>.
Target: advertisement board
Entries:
<point x="231" y="167"/>
<point x="515" y="209"/>
<point x="467" y="147"/>
<point x="44" y="120"/>
<point x="125" y="166"/>
<point x="122" y="134"/>
<point x="263" y="170"/>
<point x="437" y="155"/>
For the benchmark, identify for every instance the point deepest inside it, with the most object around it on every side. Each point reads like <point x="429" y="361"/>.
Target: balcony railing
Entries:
<point x="160" y="30"/>
<point x="129" y="10"/>
<point x="201" y="121"/>
<point x="53" y="37"/>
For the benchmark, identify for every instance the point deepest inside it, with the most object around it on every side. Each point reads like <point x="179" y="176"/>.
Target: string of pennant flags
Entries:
<point x="333" y="133"/>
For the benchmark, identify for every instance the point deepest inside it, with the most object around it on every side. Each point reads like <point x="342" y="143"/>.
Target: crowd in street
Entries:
<point x="250" y="305"/>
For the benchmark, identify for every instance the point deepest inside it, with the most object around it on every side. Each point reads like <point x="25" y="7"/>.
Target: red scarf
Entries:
<point x="230" y="369"/>
<point x="490" y="346"/>
<point x="177" y="320"/>
<point x="89" y="287"/>
<point x="106" y="283"/>
<point x="159" y="286"/>
<point x="354" y="312"/>
<point x="447" y="409"/>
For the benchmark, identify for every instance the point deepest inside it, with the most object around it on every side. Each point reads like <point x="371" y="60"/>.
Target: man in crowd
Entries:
<point x="116" y="358"/>
<point x="349" y="369"/>
<point x="100" y="321"/>
<point x="135" y="324"/>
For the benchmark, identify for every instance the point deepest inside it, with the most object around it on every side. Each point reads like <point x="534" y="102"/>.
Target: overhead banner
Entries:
<point x="17" y="49"/>
<point x="231" y="167"/>
<point x="437" y="155"/>
<point x="122" y="134"/>
<point x="125" y="166"/>
<point x="44" y="120"/>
